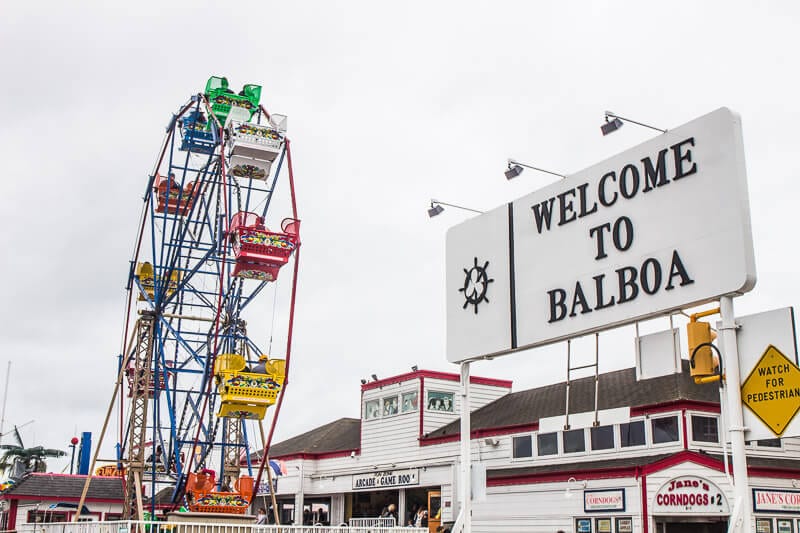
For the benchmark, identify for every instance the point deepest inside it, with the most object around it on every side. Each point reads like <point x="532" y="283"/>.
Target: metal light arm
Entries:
<point x="437" y="202"/>
<point x="614" y="115"/>
<point x="515" y="162"/>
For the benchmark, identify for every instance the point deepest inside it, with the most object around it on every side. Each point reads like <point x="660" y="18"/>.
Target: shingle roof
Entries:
<point x="616" y="389"/>
<point x="340" y="435"/>
<point x="66" y="486"/>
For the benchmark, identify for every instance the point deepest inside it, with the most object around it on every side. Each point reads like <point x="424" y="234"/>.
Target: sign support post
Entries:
<point x="466" y="456"/>
<point x="741" y="517"/>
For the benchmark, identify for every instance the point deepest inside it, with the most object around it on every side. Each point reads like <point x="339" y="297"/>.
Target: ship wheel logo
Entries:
<point x="476" y="284"/>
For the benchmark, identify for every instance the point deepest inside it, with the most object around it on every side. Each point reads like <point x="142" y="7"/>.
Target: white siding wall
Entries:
<point x="385" y="439"/>
<point x="103" y="508"/>
<point x="543" y="507"/>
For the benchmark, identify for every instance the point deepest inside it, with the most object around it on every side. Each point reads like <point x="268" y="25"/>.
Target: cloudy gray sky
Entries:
<point x="389" y="104"/>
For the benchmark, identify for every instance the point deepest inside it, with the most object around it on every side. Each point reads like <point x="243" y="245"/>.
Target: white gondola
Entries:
<point x="254" y="147"/>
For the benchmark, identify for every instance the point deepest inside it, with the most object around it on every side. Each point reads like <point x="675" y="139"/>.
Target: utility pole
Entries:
<point x="5" y="397"/>
<point x="741" y="517"/>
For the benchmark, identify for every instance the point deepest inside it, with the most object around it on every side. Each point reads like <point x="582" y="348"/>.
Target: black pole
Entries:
<point x="72" y="461"/>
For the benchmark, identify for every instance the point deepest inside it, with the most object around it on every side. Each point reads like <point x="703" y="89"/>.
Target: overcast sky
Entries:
<point x="389" y="105"/>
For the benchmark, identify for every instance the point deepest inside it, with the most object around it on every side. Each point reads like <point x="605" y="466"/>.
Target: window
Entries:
<point x="547" y="443"/>
<point x="574" y="441"/>
<point x="632" y="434"/>
<point x="390" y="406"/>
<point x="665" y="429"/>
<point x="523" y="446"/>
<point x="440" y="401"/>
<point x="410" y="402"/>
<point x="704" y="428"/>
<point x="769" y="443"/>
<point x="372" y="409"/>
<point x="602" y="437"/>
<point x="46" y="516"/>
<point x="111" y="517"/>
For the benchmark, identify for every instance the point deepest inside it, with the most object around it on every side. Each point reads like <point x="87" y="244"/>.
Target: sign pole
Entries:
<point x="466" y="457"/>
<point x="741" y="517"/>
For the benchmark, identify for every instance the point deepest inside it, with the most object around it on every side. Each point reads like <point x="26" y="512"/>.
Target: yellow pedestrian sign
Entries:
<point x="772" y="390"/>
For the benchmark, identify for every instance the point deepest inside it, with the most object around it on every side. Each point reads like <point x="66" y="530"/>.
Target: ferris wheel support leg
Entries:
<point x="138" y="490"/>
<point x="117" y="387"/>
<point x="269" y="479"/>
<point x="265" y="450"/>
<point x="137" y="434"/>
<point x="231" y="468"/>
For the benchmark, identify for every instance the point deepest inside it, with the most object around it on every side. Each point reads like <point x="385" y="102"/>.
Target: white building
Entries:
<point x="653" y="464"/>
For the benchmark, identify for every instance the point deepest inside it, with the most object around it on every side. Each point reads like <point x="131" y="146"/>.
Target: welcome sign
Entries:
<point x="660" y="227"/>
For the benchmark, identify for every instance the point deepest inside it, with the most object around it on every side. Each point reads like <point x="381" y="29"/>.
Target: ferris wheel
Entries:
<point x="193" y="369"/>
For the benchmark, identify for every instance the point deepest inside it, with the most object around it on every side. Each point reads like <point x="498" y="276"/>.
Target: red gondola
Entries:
<point x="179" y="197"/>
<point x="130" y="373"/>
<point x="260" y="253"/>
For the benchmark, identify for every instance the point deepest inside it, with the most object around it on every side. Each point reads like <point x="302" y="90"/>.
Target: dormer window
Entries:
<point x="440" y="401"/>
<point x="705" y="429"/>
<point x="390" y="406"/>
<point x="372" y="409"/>
<point x="410" y="401"/>
<point x="665" y="429"/>
<point x="547" y="443"/>
<point x="574" y="441"/>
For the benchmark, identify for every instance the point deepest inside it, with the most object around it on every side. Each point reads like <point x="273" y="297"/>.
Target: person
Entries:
<point x="261" y="366"/>
<point x="261" y="517"/>
<point x="421" y="520"/>
<point x="390" y="511"/>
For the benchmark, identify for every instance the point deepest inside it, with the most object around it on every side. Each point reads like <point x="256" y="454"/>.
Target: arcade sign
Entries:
<point x="660" y="227"/>
<point x="386" y="479"/>
<point x="690" y="495"/>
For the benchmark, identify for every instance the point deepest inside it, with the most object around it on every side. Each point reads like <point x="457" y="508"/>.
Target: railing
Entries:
<point x="188" y="527"/>
<point x="458" y="526"/>
<point x="388" y="522"/>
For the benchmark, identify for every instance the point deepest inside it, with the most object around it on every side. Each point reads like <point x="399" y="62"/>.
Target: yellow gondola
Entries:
<point x="247" y="393"/>
<point x="144" y="271"/>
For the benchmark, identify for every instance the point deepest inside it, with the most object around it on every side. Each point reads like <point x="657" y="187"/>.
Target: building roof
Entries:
<point x="338" y="436"/>
<point x="65" y="486"/>
<point x="616" y="389"/>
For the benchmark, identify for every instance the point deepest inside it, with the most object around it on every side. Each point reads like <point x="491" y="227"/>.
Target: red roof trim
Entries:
<point x="433" y="374"/>
<point x="323" y="455"/>
<point x="77" y="476"/>
<point x="420" y="403"/>
<point x="54" y="498"/>
<point x="643" y="496"/>
<point x="675" y="405"/>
